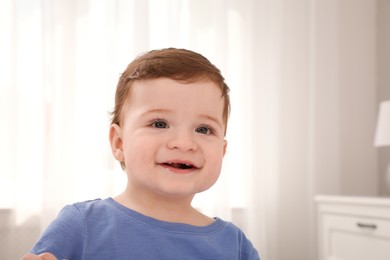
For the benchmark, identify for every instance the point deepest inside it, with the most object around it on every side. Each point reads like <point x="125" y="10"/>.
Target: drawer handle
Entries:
<point x="368" y="226"/>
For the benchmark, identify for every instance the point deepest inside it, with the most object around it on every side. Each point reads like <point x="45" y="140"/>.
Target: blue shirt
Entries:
<point x="104" y="229"/>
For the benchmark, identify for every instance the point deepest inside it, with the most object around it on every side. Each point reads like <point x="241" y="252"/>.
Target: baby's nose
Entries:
<point x="182" y="140"/>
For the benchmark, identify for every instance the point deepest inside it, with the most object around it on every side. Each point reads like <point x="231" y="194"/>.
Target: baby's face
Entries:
<point x="172" y="136"/>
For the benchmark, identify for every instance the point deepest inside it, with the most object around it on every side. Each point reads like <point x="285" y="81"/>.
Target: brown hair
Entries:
<point x="177" y="64"/>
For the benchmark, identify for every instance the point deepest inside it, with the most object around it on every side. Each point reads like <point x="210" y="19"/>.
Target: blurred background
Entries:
<point x="306" y="79"/>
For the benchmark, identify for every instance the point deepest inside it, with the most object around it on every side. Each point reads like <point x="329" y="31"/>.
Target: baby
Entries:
<point x="168" y="133"/>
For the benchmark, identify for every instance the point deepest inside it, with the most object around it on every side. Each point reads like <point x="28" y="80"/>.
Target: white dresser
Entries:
<point x="353" y="228"/>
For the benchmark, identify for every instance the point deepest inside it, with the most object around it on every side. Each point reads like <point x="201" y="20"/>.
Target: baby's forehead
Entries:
<point x="139" y="83"/>
<point x="165" y="92"/>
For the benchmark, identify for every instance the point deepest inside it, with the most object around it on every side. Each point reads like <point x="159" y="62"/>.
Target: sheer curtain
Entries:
<point x="60" y="61"/>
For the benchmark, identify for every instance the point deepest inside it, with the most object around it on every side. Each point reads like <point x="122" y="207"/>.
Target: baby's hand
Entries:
<point x="44" y="256"/>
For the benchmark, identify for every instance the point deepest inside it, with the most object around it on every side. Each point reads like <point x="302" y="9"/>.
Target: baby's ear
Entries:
<point x="224" y="147"/>
<point x="116" y="142"/>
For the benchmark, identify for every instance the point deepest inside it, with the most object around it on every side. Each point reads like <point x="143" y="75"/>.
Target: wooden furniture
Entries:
<point x="353" y="228"/>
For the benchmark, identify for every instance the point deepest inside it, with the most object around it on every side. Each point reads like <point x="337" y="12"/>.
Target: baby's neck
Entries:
<point x="179" y="211"/>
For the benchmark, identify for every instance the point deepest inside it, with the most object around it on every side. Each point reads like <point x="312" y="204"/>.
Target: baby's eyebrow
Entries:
<point x="168" y="111"/>
<point x="157" y="110"/>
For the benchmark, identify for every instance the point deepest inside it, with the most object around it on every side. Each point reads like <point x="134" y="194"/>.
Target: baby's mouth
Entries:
<point x="181" y="166"/>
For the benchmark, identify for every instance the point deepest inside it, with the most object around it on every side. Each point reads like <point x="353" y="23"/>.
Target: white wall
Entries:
<point x="345" y="97"/>
<point x="383" y="85"/>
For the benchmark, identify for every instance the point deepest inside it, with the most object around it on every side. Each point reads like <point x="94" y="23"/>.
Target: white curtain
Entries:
<point x="60" y="61"/>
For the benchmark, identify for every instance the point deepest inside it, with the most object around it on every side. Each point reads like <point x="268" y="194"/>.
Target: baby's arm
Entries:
<point x="44" y="256"/>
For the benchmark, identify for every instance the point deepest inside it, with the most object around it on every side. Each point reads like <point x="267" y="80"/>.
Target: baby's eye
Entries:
<point x="159" y="124"/>
<point x="204" y="130"/>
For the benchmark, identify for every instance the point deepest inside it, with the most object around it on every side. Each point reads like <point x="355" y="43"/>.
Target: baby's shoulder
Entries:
<point x="93" y="206"/>
<point x="93" y="203"/>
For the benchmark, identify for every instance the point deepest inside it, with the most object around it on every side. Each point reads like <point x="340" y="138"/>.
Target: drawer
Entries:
<point x="356" y="224"/>
<point x="354" y="237"/>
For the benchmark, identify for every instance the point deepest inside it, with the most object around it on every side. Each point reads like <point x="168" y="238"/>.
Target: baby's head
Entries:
<point x="177" y="64"/>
